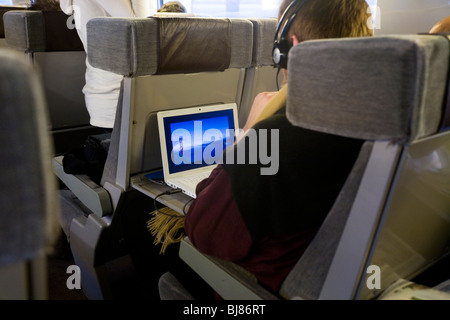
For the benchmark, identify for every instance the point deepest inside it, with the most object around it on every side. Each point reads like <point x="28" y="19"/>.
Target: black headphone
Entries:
<point x="281" y="44"/>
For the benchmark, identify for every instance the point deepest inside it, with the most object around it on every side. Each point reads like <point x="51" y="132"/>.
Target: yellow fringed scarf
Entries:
<point x="166" y="225"/>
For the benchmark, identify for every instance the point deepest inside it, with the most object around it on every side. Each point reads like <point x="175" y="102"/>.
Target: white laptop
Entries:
<point x="192" y="142"/>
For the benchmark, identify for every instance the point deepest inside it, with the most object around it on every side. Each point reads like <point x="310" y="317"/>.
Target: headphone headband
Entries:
<point x="282" y="45"/>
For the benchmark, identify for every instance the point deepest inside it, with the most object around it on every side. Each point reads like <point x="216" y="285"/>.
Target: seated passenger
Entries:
<point x="442" y="26"/>
<point x="265" y="222"/>
<point x="172" y="6"/>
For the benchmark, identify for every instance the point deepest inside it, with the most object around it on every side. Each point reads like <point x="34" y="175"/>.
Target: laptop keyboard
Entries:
<point x="194" y="179"/>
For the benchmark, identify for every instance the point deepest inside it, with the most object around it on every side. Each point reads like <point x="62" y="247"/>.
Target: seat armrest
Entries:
<point x="171" y="289"/>
<point x="229" y="280"/>
<point x="93" y="196"/>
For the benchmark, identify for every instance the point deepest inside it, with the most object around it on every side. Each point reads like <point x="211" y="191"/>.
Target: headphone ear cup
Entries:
<point x="281" y="47"/>
<point x="280" y="53"/>
<point x="276" y="54"/>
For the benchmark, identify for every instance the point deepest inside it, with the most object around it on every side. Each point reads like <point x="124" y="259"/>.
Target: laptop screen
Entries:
<point x="197" y="137"/>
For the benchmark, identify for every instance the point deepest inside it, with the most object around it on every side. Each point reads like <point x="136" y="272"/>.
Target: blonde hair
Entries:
<point x="321" y="19"/>
<point x="442" y="26"/>
<point x="172" y="6"/>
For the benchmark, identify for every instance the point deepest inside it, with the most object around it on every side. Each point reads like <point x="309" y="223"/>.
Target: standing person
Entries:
<point x="102" y="88"/>
<point x="265" y="222"/>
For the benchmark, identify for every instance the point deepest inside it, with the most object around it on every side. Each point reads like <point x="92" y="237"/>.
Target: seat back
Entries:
<point x="445" y="121"/>
<point x="167" y="63"/>
<point x="45" y="38"/>
<point x="29" y="208"/>
<point x="3" y="10"/>
<point x="395" y="189"/>
<point x="397" y="108"/>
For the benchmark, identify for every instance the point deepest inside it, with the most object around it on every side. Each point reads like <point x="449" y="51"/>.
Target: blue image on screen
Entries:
<point x="196" y="140"/>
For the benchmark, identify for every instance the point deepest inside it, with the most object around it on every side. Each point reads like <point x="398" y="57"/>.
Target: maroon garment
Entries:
<point x="265" y="222"/>
<point x="215" y="227"/>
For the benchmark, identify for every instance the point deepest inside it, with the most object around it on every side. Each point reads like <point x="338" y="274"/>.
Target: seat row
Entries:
<point x="233" y="63"/>
<point x="398" y="113"/>
<point x="391" y="218"/>
<point x="396" y="108"/>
